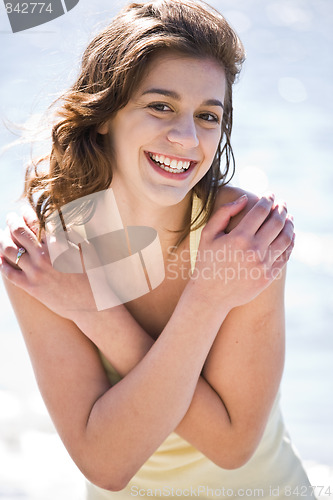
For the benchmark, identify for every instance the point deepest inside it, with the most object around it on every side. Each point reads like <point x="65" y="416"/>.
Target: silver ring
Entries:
<point x="20" y="252"/>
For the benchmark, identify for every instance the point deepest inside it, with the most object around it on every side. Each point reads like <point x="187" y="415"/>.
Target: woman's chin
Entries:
<point x="167" y="196"/>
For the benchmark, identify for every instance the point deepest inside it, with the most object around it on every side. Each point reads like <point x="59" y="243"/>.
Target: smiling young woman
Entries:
<point x="163" y="120"/>
<point x="177" y="390"/>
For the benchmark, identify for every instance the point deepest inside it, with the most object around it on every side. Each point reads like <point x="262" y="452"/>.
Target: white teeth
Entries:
<point x="173" y="166"/>
<point x="164" y="161"/>
<point x="174" y="171"/>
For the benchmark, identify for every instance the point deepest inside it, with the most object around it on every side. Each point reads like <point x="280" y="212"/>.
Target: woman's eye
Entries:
<point x="159" y="106"/>
<point x="209" y="117"/>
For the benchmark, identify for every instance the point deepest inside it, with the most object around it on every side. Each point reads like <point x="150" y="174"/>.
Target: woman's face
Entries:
<point x="165" y="139"/>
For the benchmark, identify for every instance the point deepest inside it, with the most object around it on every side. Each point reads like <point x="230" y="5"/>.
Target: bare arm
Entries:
<point x="244" y="367"/>
<point x="230" y="397"/>
<point x="231" y="403"/>
<point x="245" y="364"/>
<point x="139" y="412"/>
<point x="122" y="425"/>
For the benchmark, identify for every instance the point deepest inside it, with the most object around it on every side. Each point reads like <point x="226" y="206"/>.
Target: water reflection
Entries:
<point x="292" y="89"/>
<point x="286" y="13"/>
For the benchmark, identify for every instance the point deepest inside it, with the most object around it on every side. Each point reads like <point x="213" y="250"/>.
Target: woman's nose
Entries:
<point x="183" y="132"/>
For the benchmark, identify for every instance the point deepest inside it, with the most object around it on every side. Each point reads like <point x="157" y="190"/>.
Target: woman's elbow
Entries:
<point x="113" y="486"/>
<point x="106" y="472"/>
<point x="239" y="453"/>
<point x="105" y="468"/>
<point x="236" y="460"/>
<point x="113" y="481"/>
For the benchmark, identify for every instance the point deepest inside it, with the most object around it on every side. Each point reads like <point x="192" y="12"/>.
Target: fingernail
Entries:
<point x="242" y="198"/>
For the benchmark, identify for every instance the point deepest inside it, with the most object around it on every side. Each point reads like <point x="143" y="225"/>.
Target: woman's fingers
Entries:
<point x="10" y="252"/>
<point x="272" y="226"/>
<point x="20" y="247"/>
<point x="281" y="261"/>
<point x="16" y="276"/>
<point x="254" y="219"/>
<point x="30" y="218"/>
<point x="21" y="234"/>
<point x="8" y="249"/>
<point x="284" y="241"/>
<point x="220" y="219"/>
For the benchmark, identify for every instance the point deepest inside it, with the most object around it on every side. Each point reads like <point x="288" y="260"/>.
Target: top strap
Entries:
<point x="196" y="234"/>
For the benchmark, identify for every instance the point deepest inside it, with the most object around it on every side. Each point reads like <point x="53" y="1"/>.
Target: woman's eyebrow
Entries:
<point x="174" y="95"/>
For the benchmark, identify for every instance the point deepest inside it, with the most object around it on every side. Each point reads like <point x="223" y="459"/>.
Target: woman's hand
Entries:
<point x="64" y="293"/>
<point x="234" y="268"/>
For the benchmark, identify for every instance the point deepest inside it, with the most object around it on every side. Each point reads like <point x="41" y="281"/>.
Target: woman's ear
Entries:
<point x="103" y="129"/>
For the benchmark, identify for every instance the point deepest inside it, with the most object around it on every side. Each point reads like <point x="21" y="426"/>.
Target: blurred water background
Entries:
<point x="283" y="142"/>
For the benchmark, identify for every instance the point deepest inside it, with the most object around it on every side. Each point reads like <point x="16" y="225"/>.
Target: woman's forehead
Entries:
<point x="170" y="70"/>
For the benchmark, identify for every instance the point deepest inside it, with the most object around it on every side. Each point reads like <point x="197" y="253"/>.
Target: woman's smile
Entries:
<point x="171" y="163"/>
<point x="166" y="164"/>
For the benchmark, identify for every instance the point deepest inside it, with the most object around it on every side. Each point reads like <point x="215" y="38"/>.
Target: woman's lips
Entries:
<point x="170" y="175"/>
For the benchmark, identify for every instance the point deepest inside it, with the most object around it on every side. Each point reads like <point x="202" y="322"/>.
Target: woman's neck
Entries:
<point x="166" y="220"/>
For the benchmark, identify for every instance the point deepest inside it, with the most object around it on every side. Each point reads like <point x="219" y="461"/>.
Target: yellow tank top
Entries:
<point x="177" y="469"/>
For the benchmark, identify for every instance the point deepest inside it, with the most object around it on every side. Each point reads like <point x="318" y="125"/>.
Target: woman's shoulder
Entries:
<point x="228" y="194"/>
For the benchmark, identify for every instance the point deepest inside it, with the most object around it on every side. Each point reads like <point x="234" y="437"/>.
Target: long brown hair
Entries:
<point x="112" y="67"/>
